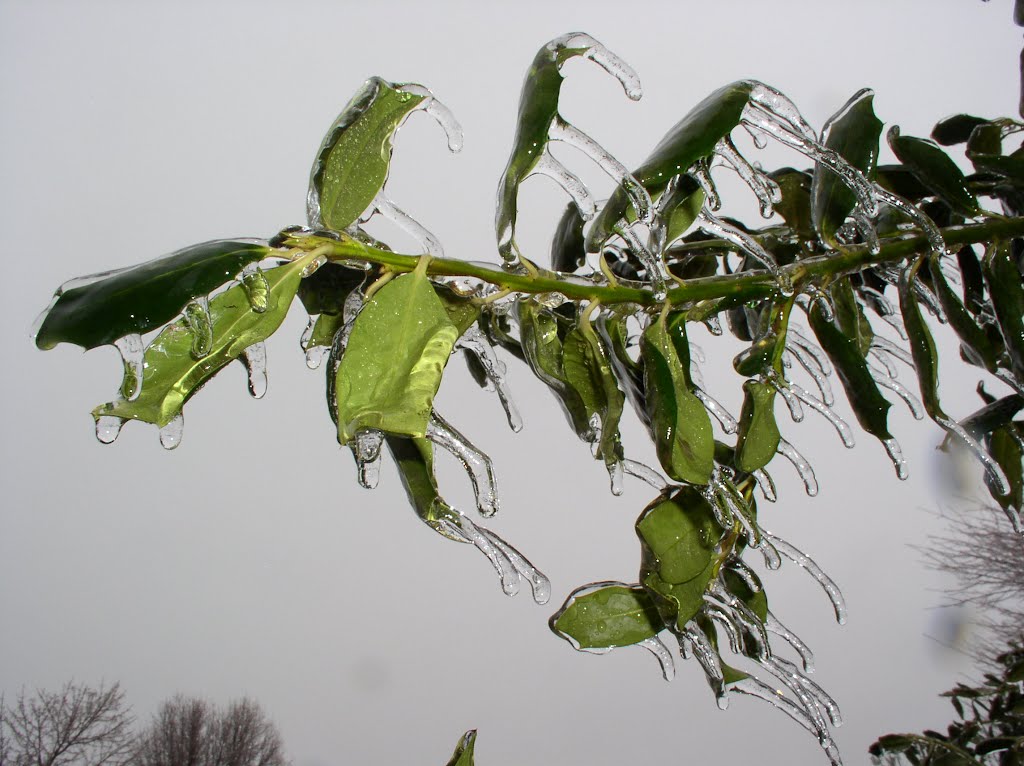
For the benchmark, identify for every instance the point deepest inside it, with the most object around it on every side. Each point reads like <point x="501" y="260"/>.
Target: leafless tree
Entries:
<point x="76" y="725"/>
<point x="192" y="732"/>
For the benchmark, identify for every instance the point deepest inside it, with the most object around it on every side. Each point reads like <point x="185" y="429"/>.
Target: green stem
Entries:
<point x="731" y="289"/>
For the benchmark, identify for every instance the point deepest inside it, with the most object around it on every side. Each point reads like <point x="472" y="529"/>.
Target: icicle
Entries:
<point x="822" y="301"/>
<point x="548" y="166"/>
<point x="655" y="266"/>
<point x="886" y="345"/>
<point x="780" y="384"/>
<point x="561" y="130"/>
<point x="995" y="473"/>
<point x="430" y="244"/>
<point x="307" y="334"/>
<point x="778" y="104"/>
<point x="254" y="358"/>
<point x="477" y="343"/>
<point x="197" y="319"/>
<point x="765" y="189"/>
<point x="821" y="699"/>
<point x="865" y="227"/>
<point x="645" y="473"/>
<point x="316" y="355"/>
<point x="256" y="288"/>
<point x="540" y="585"/>
<point x="657" y="647"/>
<point x="796" y="336"/>
<point x="107" y="428"/>
<point x="757" y="136"/>
<point x="714" y="325"/>
<point x="441" y="114"/>
<point x="709" y="661"/>
<point x="737" y="505"/>
<point x="882" y="304"/>
<point x="478" y="466"/>
<point x="927" y="225"/>
<point x="729" y="424"/>
<point x="466" y="530"/>
<point x="773" y="625"/>
<point x="366" y="450"/>
<point x="701" y="173"/>
<point x="723" y="617"/>
<point x="744" y="617"/>
<point x="841" y="426"/>
<point x="802" y="559"/>
<point x="890" y="367"/>
<point x="765" y="483"/>
<point x="133" y="356"/>
<point x="716" y="227"/>
<point x="913" y="403"/>
<point x="604" y="58"/>
<point x="772" y="559"/>
<point x="895" y="321"/>
<point x="170" y="434"/>
<point x="615" y="473"/>
<point x="1007" y="377"/>
<point x="313" y="266"/>
<point x="803" y="468"/>
<point x="793" y="680"/>
<point x="820" y="380"/>
<point x="896" y="455"/>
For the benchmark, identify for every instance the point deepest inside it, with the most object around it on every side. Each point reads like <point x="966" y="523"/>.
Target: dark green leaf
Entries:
<point x="325" y="290"/>
<point x="463" y="755"/>
<point x="756" y="600"/>
<point x="93" y="311"/>
<point x="1006" y="451"/>
<point x="934" y="168"/>
<point x="607" y="615"/>
<point x="588" y="370"/>
<point x="956" y="129"/>
<point x="795" y="207"/>
<point x="567" y="251"/>
<point x="415" y="461"/>
<point x="325" y="329"/>
<point x="1006" y="292"/>
<point x="901" y="181"/>
<point x="758" y="438"/>
<point x="973" y="279"/>
<point x="975" y="342"/>
<point x="682" y="207"/>
<point x="853" y="132"/>
<point x="993" y="415"/>
<point x="922" y="344"/>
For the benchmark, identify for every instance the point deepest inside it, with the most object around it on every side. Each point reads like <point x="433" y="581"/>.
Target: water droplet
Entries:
<point x="807" y="563"/>
<point x="714" y="325"/>
<point x="197" y="319"/>
<point x="170" y="434"/>
<point x="366" y="450"/>
<point x="657" y="647"/>
<point x="316" y="355"/>
<point x="257" y="289"/>
<point x="133" y="358"/>
<point x="803" y="468"/>
<point x="107" y="428"/>
<point x="478" y="466"/>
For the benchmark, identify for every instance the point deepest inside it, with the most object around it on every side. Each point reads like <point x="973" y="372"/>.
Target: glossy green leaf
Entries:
<point x="588" y="370"/>
<point x="956" y="129"/>
<point x="607" y="615"/>
<point x="758" y="358"/>
<point x="463" y="755"/>
<point x="974" y="341"/>
<point x="352" y="163"/>
<point x="93" y="311"/>
<point x="922" y="345"/>
<point x="758" y="437"/>
<point x="394" y="359"/>
<point x="853" y="133"/>
<point x="678" y="421"/>
<point x="1006" y="292"/>
<point x="692" y="138"/>
<point x="900" y="181"/>
<point x="567" y="251"/>
<point x="993" y="416"/>
<point x="1006" y="451"/>
<point x="325" y="329"/>
<point x="973" y="280"/>
<point x="934" y="168"/>
<point x="683" y="205"/>
<point x="172" y="374"/>
<point x="850" y="317"/>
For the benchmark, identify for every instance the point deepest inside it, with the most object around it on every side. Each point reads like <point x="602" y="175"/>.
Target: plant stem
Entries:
<point x="730" y="289"/>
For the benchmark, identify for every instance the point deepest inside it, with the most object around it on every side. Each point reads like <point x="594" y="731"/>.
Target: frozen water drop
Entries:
<point x="366" y="450"/>
<point x="257" y="289"/>
<point x="197" y="319"/>
<point x="316" y="355"/>
<point x="801" y="559"/>
<point x="701" y="173"/>
<point x="706" y="655"/>
<point x="477" y="465"/>
<point x="657" y="647"/>
<point x="615" y="474"/>
<point x="714" y="325"/>
<point x="795" y="335"/>
<point x="254" y="358"/>
<point x="133" y="357"/>
<point x="604" y="58"/>
<point x="313" y="266"/>
<point x="107" y="428"/>
<point x="170" y="434"/>
<point x="757" y="136"/>
<point x="307" y="334"/>
<point x="788" y="451"/>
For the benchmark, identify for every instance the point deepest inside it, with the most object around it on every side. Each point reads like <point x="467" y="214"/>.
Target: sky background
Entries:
<point x="248" y="561"/>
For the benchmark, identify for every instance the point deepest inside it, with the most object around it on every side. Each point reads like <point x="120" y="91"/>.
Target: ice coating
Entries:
<point x="716" y="227"/>
<point x="256" y="288"/>
<point x="795" y="336"/>
<point x="914" y="213"/>
<point x="708" y="659"/>
<point x="765" y="189"/>
<point x="714" y="325"/>
<point x="841" y="426"/>
<point x="570" y="183"/>
<point x="772" y="625"/>
<point x="742" y="616"/>
<point x="729" y="424"/>
<point x="388" y="209"/>
<point x="788" y="451"/>
<point x="792" y="679"/>
<point x="765" y="483"/>
<point x="701" y="173"/>
<point x="170" y="434"/>
<point x="442" y="114"/>
<point x="885" y="381"/>
<point x="254" y="358"/>
<point x="604" y="58"/>
<point x="994" y="472"/>
<point x="779" y="105"/>
<point x="616" y="471"/>
<point x="890" y="367"/>
<point x="823" y="701"/>
<point x="540" y="585"/>
<point x="313" y="266"/>
<point x="366" y="450"/>
<point x="757" y="136"/>
<point x="882" y="304"/>
<point x="887" y="346"/>
<point x="644" y="473"/>
<point x="812" y="369"/>
<point x="1008" y="378"/>
<point x="477" y="465"/>
<point x="133" y="357"/>
<point x="197" y="319"/>
<point x="807" y="563"/>
<point x="780" y="384"/>
<point x="655" y="266"/>
<point x="474" y="341"/>
<point x="657" y="647"/>
<point x="466" y="530"/>
<point x="866" y="228"/>
<point x="107" y="428"/>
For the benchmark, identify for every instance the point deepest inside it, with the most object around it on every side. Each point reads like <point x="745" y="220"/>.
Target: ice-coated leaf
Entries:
<point x="171" y="372"/>
<point x="588" y="370"/>
<point x="694" y="137"/>
<point x="607" y="615"/>
<point x="934" y="168"/>
<point x="415" y="461"/>
<point x="463" y="755"/>
<point x="1006" y="451"/>
<point x="1006" y="292"/>
<point x="973" y="279"/>
<point x="567" y="251"/>
<point x="853" y="133"/>
<point x="977" y="345"/>
<point x="325" y="290"/>
<point x="682" y="205"/>
<point x="758" y="438"/>
<point x="93" y="311"/>
<point x="956" y="129"/>
<point x="679" y="423"/>
<point x="755" y="599"/>
<point x="795" y="207"/>
<point x="394" y="359"/>
<point x="849" y="316"/>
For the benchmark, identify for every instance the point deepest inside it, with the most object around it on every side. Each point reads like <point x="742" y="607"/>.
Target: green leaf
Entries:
<point x="850" y="317"/>
<point x="415" y="461"/>
<point x="172" y="374"/>
<point x="353" y="161"/>
<point x="692" y="138"/>
<point x="325" y="329"/>
<point x="756" y="600"/>
<point x="993" y="415"/>
<point x="934" y="168"/>
<point x="607" y="615"/>
<point x="1006" y="451"/>
<point x="901" y="181"/>
<point x="325" y="290"/>
<point x="1006" y="292"/>
<point x="795" y="207"/>
<point x="922" y="344"/>
<point x="758" y="438"/>
<point x="567" y="251"/>
<point x="973" y="279"/>
<point x="588" y="370"/>
<point x="956" y="129"/>
<point x="975" y="342"/>
<point x="93" y="311"/>
<point x="679" y="423"/>
<point x="853" y="132"/>
<point x="394" y="360"/>
<point x="463" y="755"/>
<point x="683" y="206"/>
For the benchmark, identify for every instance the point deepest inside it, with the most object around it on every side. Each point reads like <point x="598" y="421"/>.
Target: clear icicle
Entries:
<point x="478" y="466"/>
<point x="796" y="411"/>
<point x="441" y="114"/>
<point x="366" y="450"/>
<point x="548" y="166"/>
<point x="793" y="680"/>
<point x="709" y="661"/>
<point x="315" y="356"/>
<point x="729" y="424"/>
<point x="890" y="367"/>
<point x="882" y="304"/>
<point x="466" y="530"/>
<point x="133" y="356"/>
<point x="716" y="227"/>
<point x="540" y="585"/>
<point x="995" y="473"/>
<point x="655" y="266"/>
<point x="307" y="334"/>
<point x="107" y="428"/>
<point x="723" y="618"/>
<point x="865" y="227"/>
<point x="256" y="288"/>
<point x="657" y="647"/>
<point x="772" y="559"/>
<point x="788" y="451"/>
<point x="388" y="209"/>
<point x="779" y="104"/>
<point x="895" y="321"/>
<point x="1007" y="377"/>
<point x="615" y="474"/>
<point x="701" y="173"/>
<point x="714" y="325"/>
<point x="765" y="189"/>
<point x="170" y="434"/>
<point x="886" y="345"/>
<point x="644" y="473"/>
<point x="807" y="563"/>
<point x="927" y="225"/>
<point x="737" y="505"/>
<point x="767" y="486"/>
<point x="197" y="319"/>
<point x="474" y="341"/>
<point x="913" y="403"/>
<point x="773" y="625"/>
<point x="820" y="380"/>
<point x="892" y="447"/>
<point x="797" y="338"/>
<point x="254" y="358"/>
<point x="561" y="130"/>
<point x="605" y="59"/>
<point x="743" y="616"/>
<point x="841" y="426"/>
<point x="821" y="699"/>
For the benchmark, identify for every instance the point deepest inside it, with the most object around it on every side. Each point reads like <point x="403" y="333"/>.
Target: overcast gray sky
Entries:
<point x="248" y="561"/>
